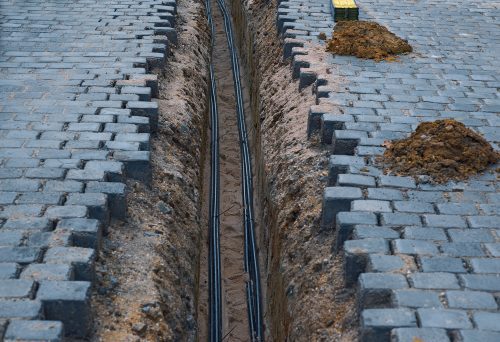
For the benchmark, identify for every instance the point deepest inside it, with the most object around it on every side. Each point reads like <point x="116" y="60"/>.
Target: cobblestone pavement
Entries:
<point x="425" y="258"/>
<point x="75" y="117"/>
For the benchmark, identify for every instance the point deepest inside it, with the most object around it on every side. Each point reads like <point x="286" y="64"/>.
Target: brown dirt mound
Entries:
<point x="366" y="39"/>
<point x="443" y="149"/>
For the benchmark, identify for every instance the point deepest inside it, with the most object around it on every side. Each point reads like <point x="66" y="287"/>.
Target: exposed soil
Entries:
<point x="147" y="275"/>
<point x="366" y="39"/>
<point x="235" y="320"/>
<point x="444" y="150"/>
<point x="307" y="299"/>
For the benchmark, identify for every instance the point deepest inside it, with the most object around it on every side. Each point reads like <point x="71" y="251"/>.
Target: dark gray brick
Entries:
<point x="400" y="219"/>
<point x="337" y="199"/>
<point x="434" y="281"/>
<point x="396" y="182"/>
<point x="375" y="289"/>
<point x="14" y="308"/>
<point x="481" y="281"/>
<point x="414" y="247"/>
<point x="371" y="206"/>
<point x="445" y="221"/>
<point x="419" y="334"/>
<point x="479" y="336"/>
<point x="485" y="265"/>
<point x="18" y="330"/>
<point x="462" y="249"/>
<point x="471" y="300"/>
<point x="442" y="264"/>
<point x="8" y="270"/>
<point x="82" y="260"/>
<point x="422" y="233"/>
<point x="470" y="235"/>
<point x="68" y="302"/>
<point x="66" y="211"/>
<point x="376" y="324"/>
<point x="346" y="221"/>
<point x="20" y="255"/>
<point x="16" y="288"/>
<point x="47" y="272"/>
<point x="416" y="298"/>
<point x="29" y="223"/>
<point x="484" y="221"/>
<point x="442" y="318"/>
<point x="487" y="320"/>
<point x="385" y="263"/>
<point x="84" y="232"/>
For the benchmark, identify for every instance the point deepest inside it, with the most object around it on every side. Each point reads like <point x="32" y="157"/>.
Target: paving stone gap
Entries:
<point x="424" y="258"/>
<point x="77" y="109"/>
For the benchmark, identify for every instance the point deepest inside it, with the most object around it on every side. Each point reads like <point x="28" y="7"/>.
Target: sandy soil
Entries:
<point x="148" y="270"/>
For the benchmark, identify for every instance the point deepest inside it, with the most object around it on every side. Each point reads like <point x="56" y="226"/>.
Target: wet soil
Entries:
<point x="306" y="297"/>
<point x="444" y="150"/>
<point x="365" y="39"/>
<point x="147" y="274"/>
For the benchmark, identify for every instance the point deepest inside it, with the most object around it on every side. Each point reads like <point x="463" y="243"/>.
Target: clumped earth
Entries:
<point x="366" y="39"/>
<point x="443" y="149"/>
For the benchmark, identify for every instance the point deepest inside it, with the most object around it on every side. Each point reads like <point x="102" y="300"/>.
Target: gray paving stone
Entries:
<point x="67" y="301"/>
<point x="20" y="330"/>
<point x="8" y="270"/>
<point x="416" y="298"/>
<point x="487" y="320"/>
<point x="375" y="288"/>
<point x="414" y="247"/>
<point x="479" y="336"/>
<point x="82" y="260"/>
<point x="377" y="323"/>
<point x="437" y="280"/>
<point x="20" y="255"/>
<point x="20" y="309"/>
<point x="442" y="264"/>
<point x="17" y="288"/>
<point x="40" y="272"/>
<point x="471" y="300"/>
<point x="419" y="334"/>
<point x="443" y="318"/>
<point x="485" y="265"/>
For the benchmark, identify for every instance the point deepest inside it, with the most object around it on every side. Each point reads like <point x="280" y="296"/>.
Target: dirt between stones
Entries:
<point x="366" y="39"/>
<point x="444" y="150"/>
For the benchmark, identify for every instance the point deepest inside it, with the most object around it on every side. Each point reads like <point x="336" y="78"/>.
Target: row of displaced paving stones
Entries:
<point x="425" y="258"/>
<point x="75" y="118"/>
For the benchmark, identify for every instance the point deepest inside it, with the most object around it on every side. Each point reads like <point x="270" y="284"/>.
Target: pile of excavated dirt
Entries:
<point x="366" y="39"/>
<point x="443" y="149"/>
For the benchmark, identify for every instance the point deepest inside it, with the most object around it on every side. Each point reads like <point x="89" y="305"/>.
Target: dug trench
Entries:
<point x="152" y="274"/>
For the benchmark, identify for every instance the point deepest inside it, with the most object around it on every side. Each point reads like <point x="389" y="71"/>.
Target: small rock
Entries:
<point x="164" y="208"/>
<point x="139" y="328"/>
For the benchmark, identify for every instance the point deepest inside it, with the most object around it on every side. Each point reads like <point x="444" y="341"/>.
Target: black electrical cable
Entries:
<point x="253" y="289"/>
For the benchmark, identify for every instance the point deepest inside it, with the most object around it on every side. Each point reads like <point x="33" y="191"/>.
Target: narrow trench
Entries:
<point x="234" y="306"/>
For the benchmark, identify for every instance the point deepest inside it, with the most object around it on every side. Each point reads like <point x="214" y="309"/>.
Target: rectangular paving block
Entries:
<point x="21" y="330"/>
<point x="82" y="260"/>
<point x="19" y="309"/>
<point x="444" y="318"/>
<point x="68" y="302"/>
<point x="345" y="223"/>
<point x="375" y="289"/>
<point x="84" y="232"/>
<point x="419" y="334"/>
<point x="335" y="200"/>
<point x="17" y="288"/>
<point x="20" y="255"/>
<point x="416" y="298"/>
<point x="471" y="300"/>
<point x="376" y="324"/>
<point x="437" y="280"/>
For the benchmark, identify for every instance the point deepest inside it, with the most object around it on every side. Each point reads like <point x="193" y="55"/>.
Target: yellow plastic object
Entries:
<point x="344" y="4"/>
